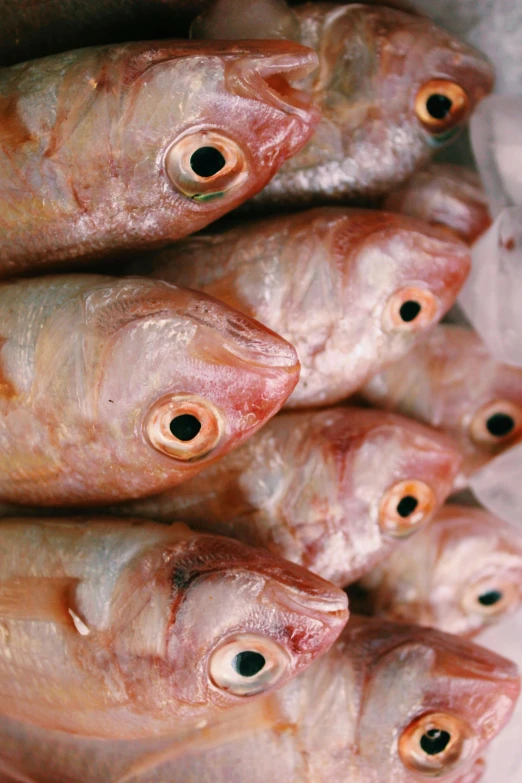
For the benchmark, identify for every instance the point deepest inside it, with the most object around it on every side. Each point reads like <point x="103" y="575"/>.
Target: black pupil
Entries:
<point x="434" y="741"/>
<point x="438" y="106"/>
<point x="490" y="598"/>
<point x="500" y="424"/>
<point x="248" y="663"/>
<point x="407" y="506"/>
<point x="410" y="310"/>
<point x="207" y="161"/>
<point x="185" y="427"/>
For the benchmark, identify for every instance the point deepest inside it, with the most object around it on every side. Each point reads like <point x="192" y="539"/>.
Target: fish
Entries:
<point x="334" y="490"/>
<point x="126" y="629"/>
<point x="351" y="289"/>
<point x="116" y="148"/>
<point x="451" y="382"/>
<point x="392" y="87"/>
<point x="113" y="388"/>
<point x="461" y="574"/>
<point x="389" y="703"/>
<point x="444" y="194"/>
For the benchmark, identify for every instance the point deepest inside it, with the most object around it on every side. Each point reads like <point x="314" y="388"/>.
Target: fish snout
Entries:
<point x="264" y="74"/>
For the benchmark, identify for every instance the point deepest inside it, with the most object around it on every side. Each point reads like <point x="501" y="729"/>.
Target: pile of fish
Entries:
<point x="238" y="542"/>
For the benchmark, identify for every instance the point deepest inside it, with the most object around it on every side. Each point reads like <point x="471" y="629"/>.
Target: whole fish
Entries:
<point x="351" y="289"/>
<point x="126" y="629"/>
<point x="117" y="388"/>
<point x="389" y="703"/>
<point x="392" y="88"/>
<point x="333" y="490"/>
<point x="460" y="574"/>
<point x="451" y="382"/>
<point x="119" y="147"/>
<point x="444" y="194"/>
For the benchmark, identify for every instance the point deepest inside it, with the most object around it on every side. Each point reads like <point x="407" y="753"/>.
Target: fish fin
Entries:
<point x="230" y="726"/>
<point x="46" y="600"/>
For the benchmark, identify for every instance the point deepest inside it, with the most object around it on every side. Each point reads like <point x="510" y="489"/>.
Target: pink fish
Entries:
<point x="451" y="382"/>
<point x="131" y="146"/>
<point x="352" y="290"/>
<point x="389" y="703"/>
<point x="334" y="490"/>
<point x="460" y="574"/>
<point x="392" y="88"/>
<point x="126" y="629"/>
<point x="118" y="388"/>
<point x="445" y="195"/>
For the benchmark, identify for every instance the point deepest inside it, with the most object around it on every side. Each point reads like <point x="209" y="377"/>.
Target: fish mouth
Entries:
<point x="265" y="75"/>
<point x="330" y="606"/>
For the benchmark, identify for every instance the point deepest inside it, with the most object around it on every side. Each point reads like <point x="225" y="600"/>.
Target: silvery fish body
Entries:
<point x="389" y="703"/>
<point x="116" y="388"/>
<point x="447" y="195"/>
<point x="460" y="574"/>
<point x="130" y="146"/>
<point x="453" y="383"/>
<point x="352" y="290"/>
<point x="127" y="629"/>
<point x="392" y="88"/>
<point x="333" y="490"/>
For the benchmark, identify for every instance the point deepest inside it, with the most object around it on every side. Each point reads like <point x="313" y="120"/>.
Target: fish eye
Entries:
<point x="440" y="105"/>
<point x="434" y="743"/>
<point x="410" y="309"/>
<point x="204" y="165"/>
<point x="490" y="597"/>
<point x="247" y="664"/>
<point x="405" y="507"/>
<point x="496" y="423"/>
<point x="184" y="426"/>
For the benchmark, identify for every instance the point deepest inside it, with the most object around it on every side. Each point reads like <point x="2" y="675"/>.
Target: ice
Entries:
<point x="504" y="757"/>
<point x="496" y="137"/>
<point x="498" y="485"/>
<point x="492" y="296"/>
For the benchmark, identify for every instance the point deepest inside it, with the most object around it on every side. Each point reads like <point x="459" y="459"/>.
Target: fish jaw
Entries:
<point x="139" y="111"/>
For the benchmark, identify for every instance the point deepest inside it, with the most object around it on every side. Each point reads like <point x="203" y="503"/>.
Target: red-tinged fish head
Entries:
<point x="360" y="483"/>
<point x="401" y="277"/>
<point x="432" y="383"/>
<point x="182" y="378"/>
<point x="220" y="118"/>
<point x="391" y="86"/>
<point x="228" y="622"/>
<point x="431" y="702"/>
<point x="460" y="575"/>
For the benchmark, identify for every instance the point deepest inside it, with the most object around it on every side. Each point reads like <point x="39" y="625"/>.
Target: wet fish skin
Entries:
<point x="96" y="145"/>
<point x="438" y="577"/>
<point x="432" y="384"/>
<point x="444" y="194"/>
<point x="110" y="628"/>
<point x="373" y="64"/>
<point x="94" y="370"/>
<point x="326" y="279"/>
<point x="311" y="486"/>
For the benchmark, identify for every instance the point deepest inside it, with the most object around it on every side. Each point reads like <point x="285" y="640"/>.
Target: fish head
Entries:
<point x="400" y="277"/>
<point x="431" y="702"/>
<point x="227" y="622"/>
<point x="362" y="481"/>
<point x="214" y="122"/>
<point x="467" y="575"/>
<point x="391" y="86"/>
<point x="181" y="379"/>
